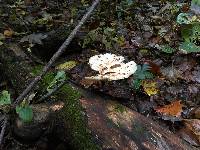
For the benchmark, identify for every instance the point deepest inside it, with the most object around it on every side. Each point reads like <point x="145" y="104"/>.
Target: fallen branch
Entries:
<point x="56" y="55"/>
<point x="3" y="129"/>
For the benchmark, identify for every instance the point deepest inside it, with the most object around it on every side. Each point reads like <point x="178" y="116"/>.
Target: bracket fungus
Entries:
<point x="111" y="67"/>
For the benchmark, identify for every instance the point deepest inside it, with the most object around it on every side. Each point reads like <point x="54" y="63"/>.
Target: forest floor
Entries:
<point x="161" y="37"/>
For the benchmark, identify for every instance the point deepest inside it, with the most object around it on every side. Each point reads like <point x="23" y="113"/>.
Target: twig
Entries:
<point x="3" y="129"/>
<point x="56" y="55"/>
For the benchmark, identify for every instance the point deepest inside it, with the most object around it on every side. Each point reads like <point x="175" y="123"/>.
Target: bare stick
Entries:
<point x="3" y="129"/>
<point x="56" y="55"/>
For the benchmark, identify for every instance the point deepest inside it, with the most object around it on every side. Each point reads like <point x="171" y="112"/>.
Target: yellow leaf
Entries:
<point x="67" y="65"/>
<point x="150" y="87"/>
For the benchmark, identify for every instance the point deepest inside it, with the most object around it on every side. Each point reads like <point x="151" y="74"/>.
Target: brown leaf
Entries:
<point x="173" y="109"/>
<point x="154" y="67"/>
<point x="8" y="33"/>
<point x="89" y="82"/>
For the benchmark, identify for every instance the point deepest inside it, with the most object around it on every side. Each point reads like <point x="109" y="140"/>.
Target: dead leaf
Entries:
<point x="35" y="38"/>
<point x="67" y="65"/>
<point x="171" y="73"/>
<point x="8" y="33"/>
<point x="196" y="75"/>
<point x="89" y="82"/>
<point x="154" y="68"/>
<point x="150" y="87"/>
<point x="173" y="109"/>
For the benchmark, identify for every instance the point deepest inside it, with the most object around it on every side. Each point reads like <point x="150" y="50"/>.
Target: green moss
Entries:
<point x="72" y="114"/>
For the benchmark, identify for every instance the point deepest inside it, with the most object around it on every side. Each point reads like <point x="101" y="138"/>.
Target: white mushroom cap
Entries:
<point x="98" y="61"/>
<point x="111" y="67"/>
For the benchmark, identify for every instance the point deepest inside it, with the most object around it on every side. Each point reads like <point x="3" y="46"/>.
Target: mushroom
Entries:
<point x="111" y="67"/>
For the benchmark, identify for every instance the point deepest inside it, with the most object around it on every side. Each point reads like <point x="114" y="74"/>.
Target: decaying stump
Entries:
<point x="112" y="125"/>
<point x="43" y="116"/>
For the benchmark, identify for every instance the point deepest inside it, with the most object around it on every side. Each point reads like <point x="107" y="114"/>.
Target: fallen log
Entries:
<point x="112" y="125"/>
<point x="118" y="127"/>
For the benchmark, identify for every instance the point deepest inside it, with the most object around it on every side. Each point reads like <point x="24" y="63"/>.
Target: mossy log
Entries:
<point x="119" y="127"/>
<point x="112" y="125"/>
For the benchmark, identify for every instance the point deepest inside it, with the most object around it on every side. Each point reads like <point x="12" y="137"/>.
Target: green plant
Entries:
<point x="167" y="49"/>
<point x="142" y="73"/>
<point x="59" y="78"/>
<point x="196" y="2"/>
<point x="107" y="36"/>
<point x="25" y="112"/>
<point x="5" y="98"/>
<point x="189" y="47"/>
<point x="190" y="32"/>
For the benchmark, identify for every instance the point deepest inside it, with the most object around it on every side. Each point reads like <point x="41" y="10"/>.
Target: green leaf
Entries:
<point x="91" y="37"/>
<point x="191" y="33"/>
<point x="184" y="18"/>
<point x="167" y="49"/>
<point x="25" y="113"/>
<point x="189" y="47"/>
<point x="186" y="33"/>
<point x="196" y="2"/>
<point x="137" y="83"/>
<point x="195" y="6"/>
<point x="196" y="31"/>
<point x="1" y="43"/>
<point x="60" y="77"/>
<point x="5" y="98"/>
<point x="142" y="72"/>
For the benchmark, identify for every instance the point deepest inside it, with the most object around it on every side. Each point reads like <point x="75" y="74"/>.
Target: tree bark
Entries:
<point x="119" y="127"/>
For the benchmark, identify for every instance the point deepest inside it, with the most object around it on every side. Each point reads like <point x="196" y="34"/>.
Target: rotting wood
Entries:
<point x="118" y="127"/>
